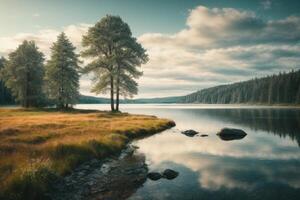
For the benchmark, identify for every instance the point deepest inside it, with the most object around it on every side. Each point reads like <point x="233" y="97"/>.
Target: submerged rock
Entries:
<point x="231" y="134"/>
<point x="154" y="176"/>
<point x="170" y="174"/>
<point x="190" y="133"/>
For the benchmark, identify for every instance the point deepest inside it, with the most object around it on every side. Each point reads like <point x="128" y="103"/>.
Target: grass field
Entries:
<point x="37" y="145"/>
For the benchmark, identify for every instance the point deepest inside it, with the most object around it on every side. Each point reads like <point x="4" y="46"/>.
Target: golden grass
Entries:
<point x="35" y="141"/>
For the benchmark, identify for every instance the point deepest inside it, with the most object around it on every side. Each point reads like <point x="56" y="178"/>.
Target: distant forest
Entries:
<point x="283" y="88"/>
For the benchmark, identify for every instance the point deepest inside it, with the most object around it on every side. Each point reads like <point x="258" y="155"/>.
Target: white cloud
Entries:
<point x="44" y="38"/>
<point x="217" y="46"/>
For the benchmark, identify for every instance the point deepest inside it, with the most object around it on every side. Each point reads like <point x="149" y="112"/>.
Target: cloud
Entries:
<point x="217" y="46"/>
<point x="212" y="28"/>
<point x="221" y="45"/>
<point x="44" y="38"/>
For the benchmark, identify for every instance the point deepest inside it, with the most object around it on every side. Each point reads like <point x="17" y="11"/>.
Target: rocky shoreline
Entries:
<point x="116" y="177"/>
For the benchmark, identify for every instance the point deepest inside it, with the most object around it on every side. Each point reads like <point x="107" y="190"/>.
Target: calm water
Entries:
<point x="263" y="165"/>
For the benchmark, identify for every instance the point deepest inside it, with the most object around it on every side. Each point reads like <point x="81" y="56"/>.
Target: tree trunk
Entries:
<point x="118" y="89"/>
<point x="118" y="94"/>
<point x="112" y="103"/>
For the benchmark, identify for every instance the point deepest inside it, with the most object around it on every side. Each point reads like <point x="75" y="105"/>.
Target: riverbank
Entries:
<point x="38" y="146"/>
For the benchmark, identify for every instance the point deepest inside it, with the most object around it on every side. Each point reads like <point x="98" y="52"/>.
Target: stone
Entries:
<point x="203" y="135"/>
<point x="190" y="133"/>
<point x="231" y="134"/>
<point x="170" y="174"/>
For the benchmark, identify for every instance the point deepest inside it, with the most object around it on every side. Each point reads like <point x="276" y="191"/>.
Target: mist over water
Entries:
<point x="263" y="165"/>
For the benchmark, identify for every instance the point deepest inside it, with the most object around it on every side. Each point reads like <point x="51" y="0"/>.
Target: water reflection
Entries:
<point x="281" y="122"/>
<point x="261" y="166"/>
<point x="231" y="137"/>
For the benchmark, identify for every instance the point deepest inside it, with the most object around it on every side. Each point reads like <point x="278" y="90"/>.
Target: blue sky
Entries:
<point x="165" y="16"/>
<point x="192" y="44"/>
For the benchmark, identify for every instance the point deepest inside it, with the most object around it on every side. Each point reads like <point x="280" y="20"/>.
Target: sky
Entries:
<point x="192" y="44"/>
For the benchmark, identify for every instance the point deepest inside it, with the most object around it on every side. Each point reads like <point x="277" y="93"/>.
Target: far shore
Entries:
<point x="246" y="105"/>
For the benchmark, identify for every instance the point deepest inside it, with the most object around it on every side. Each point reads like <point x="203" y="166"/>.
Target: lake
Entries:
<point x="263" y="165"/>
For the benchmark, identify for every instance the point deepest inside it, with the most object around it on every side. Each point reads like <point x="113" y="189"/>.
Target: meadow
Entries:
<point x="38" y="146"/>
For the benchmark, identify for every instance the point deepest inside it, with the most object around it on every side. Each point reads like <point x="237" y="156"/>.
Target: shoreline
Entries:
<point x="62" y="141"/>
<point x="103" y="179"/>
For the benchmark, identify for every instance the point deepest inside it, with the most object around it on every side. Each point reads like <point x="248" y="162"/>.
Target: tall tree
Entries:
<point x="115" y="55"/>
<point x="62" y="75"/>
<point x="23" y="74"/>
<point x="100" y="43"/>
<point x="5" y="94"/>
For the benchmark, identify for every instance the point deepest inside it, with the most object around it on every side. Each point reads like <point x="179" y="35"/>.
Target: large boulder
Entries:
<point x="190" y="133"/>
<point x="170" y="174"/>
<point x="231" y="134"/>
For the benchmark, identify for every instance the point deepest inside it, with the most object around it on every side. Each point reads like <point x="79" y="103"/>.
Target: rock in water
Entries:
<point x="231" y="134"/>
<point x="170" y="174"/>
<point x="190" y="133"/>
<point x="154" y="176"/>
<point x="204" y="135"/>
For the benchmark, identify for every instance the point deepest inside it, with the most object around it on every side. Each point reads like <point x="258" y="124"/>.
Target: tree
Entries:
<point x="62" y="75"/>
<point x="100" y="43"/>
<point x="23" y="74"/>
<point x="5" y="94"/>
<point x="115" y="55"/>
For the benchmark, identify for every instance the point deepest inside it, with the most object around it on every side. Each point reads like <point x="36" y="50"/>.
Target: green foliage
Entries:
<point x="23" y="74"/>
<point x="277" y="89"/>
<point x="62" y="77"/>
<point x="129" y="56"/>
<point x="5" y="94"/>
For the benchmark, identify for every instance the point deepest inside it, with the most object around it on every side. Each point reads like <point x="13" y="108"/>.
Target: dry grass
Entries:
<point x="33" y="142"/>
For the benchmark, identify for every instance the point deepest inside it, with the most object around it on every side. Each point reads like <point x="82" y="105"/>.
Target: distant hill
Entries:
<point x="283" y="88"/>
<point x="154" y="100"/>
<point x="92" y="100"/>
<point x="98" y="100"/>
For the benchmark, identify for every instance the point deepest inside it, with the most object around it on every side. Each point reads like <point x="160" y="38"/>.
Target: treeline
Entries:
<point x="114" y="56"/>
<point x="283" y="88"/>
<point x="33" y="83"/>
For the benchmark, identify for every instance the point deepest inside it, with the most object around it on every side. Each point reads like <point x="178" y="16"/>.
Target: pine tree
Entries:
<point x="23" y="74"/>
<point x="100" y="43"/>
<point x="62" y="75"/>
<point x="116" y="54"/>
